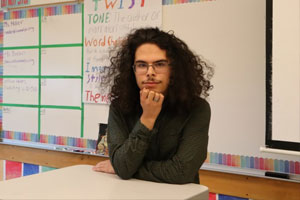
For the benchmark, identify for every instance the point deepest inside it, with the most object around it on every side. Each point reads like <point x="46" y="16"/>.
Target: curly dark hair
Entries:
<point x="189" y="73"/>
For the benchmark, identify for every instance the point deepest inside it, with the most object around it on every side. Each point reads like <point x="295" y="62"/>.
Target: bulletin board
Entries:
<point x="54" y="59"/>
<point x="41" y="74"/>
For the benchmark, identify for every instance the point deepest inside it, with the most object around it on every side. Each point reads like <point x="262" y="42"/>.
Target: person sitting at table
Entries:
<point x="158" y="118"/>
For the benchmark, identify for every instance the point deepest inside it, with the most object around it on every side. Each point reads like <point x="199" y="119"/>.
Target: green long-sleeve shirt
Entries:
<point x="172" y="152"/>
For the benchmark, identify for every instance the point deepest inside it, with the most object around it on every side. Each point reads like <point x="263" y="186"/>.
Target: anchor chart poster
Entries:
<point x="106" y="23"/>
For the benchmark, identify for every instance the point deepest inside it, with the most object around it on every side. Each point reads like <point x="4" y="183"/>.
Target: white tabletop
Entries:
<point x="80" y="182"/>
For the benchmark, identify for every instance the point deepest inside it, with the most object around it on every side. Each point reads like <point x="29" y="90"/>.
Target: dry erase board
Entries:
<point x="42" y="72"/>
<point x="52" y="67"/>
<point x="283" y="74"/>
<point x="230" y="34"/>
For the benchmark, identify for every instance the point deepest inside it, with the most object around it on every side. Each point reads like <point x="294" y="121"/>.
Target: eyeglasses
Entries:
<point x="159" y="67"/>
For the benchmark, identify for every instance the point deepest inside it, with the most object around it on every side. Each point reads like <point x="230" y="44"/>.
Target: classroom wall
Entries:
<point x="230" y="34"/>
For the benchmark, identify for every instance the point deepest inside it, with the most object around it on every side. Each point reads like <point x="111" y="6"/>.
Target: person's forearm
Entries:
<point x="169" y="171"/>
<point x="127" y="156"/>
<point x="126" y="159"/>
<point x="183" y="166"/>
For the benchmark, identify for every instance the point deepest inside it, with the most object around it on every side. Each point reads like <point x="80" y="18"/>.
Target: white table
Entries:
<point x="80" y="182"/>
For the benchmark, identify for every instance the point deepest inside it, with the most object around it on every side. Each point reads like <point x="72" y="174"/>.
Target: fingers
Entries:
<point x="146" y="94"/>
<point x="96" y="169"/>
<point x="151" y="105"/>
<point x="156" y="97"/>
<point x="101" y="166"/>
<point x="104" y="166"/>
<point x="161" y="98"/>
<point x="151" y="95"/>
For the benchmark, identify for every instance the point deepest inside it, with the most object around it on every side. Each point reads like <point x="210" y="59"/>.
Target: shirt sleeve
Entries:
<point x="126" y="149"/>
<point x="183" y="167"/>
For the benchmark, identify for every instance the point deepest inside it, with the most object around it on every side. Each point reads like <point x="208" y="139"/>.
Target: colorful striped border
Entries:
<point x="49" y="11"/>
<point x="50" y="139"/>
<point x="21" y="14"/>
<point x="171" y="2"/>
<point x="1" y="30"/>
<point x="61" y="10"/>
<point x="266" y="164"/>
<point x="1" y="57"/>
<point x="14" y="4"/>
<point x="240" y="161"/>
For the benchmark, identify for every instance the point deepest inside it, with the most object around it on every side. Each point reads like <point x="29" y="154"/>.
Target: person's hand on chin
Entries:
<point x="151" y="103"/>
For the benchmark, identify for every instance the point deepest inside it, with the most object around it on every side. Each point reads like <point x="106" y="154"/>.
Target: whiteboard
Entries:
<point x="105" y="27"/>
<point x="94" y="114"/>
<point x="20" y="119"/>
<point x="286" y="71"/>
<point x="61" y="29"/>
<point x="61" y="61"/>
<point x="62" y="92"/>
<point x="229" y="34"/>
<point x="61" y="122"/>
<point x="21" y="62"/>
<point x="53" y="67"/>
<point x="20" y="91"/>
<point x="21" y="32"/>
